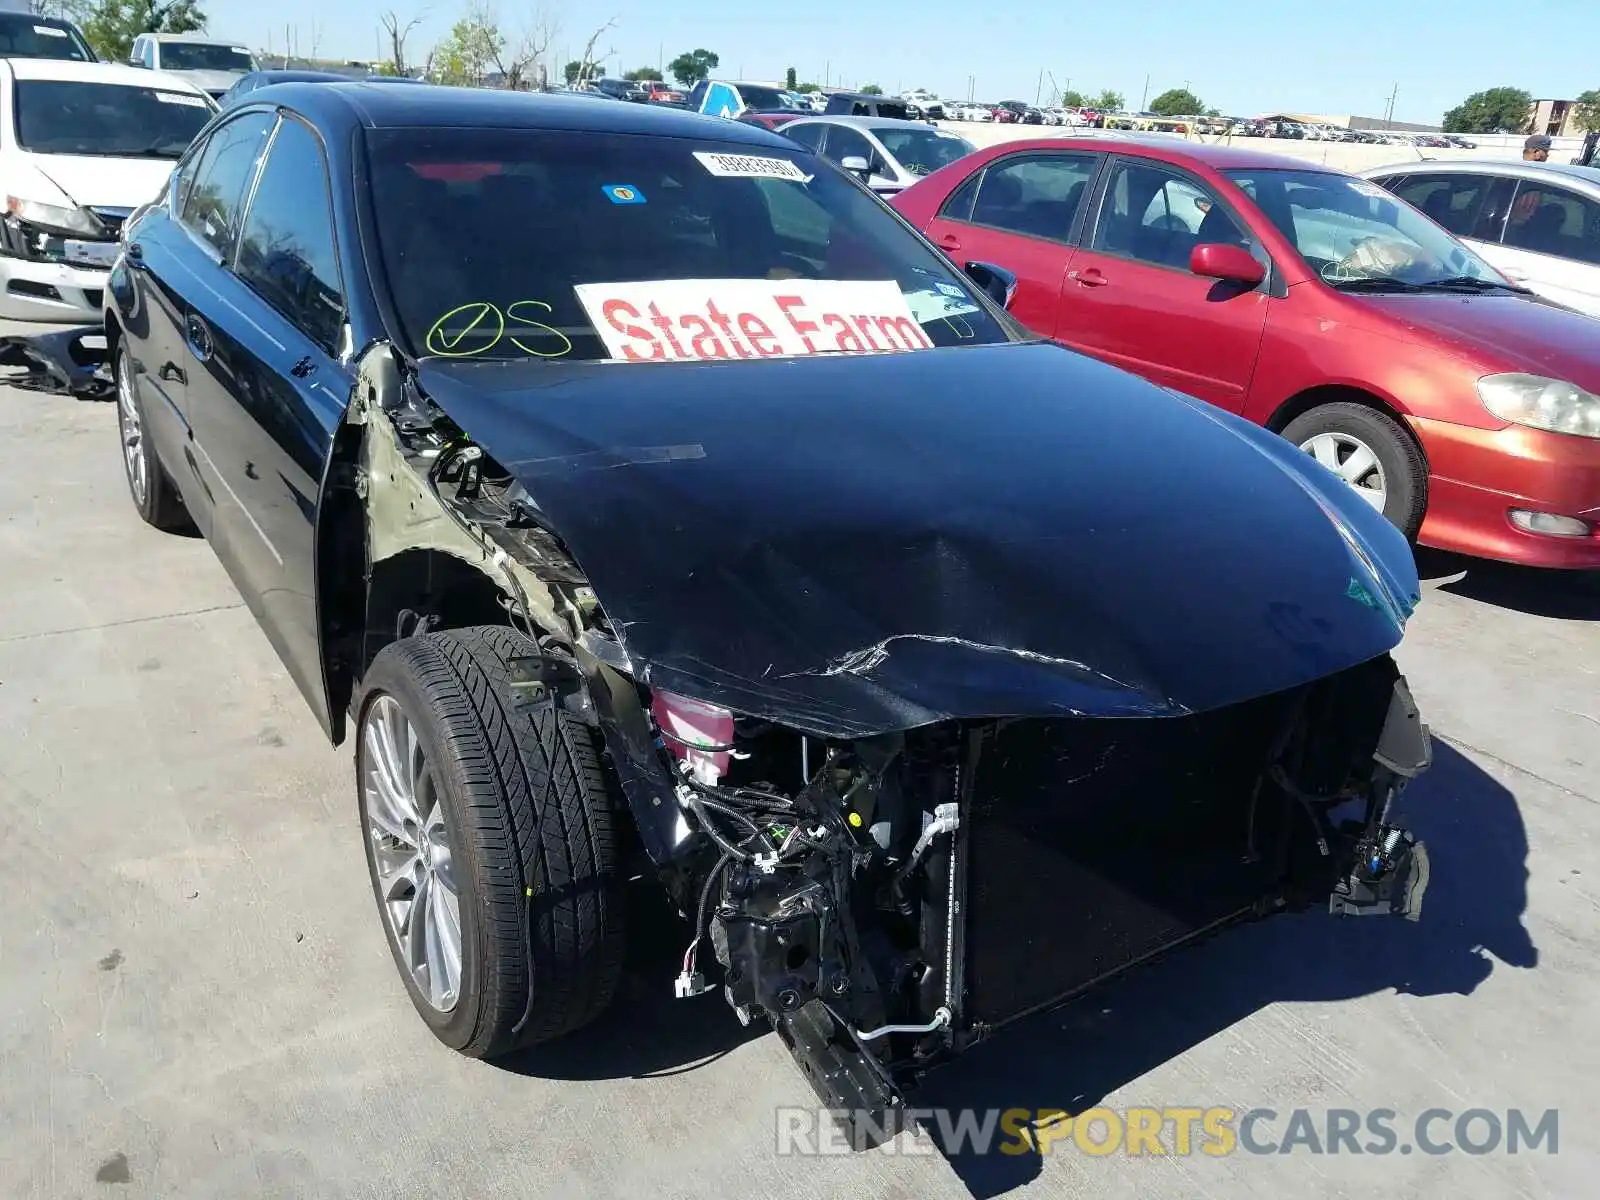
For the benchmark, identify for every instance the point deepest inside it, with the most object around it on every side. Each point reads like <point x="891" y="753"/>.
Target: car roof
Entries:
<point x="204" y="38"/>
<point x="72" y="71"/>
<point x="1516" y="168"/>
<point x="1172" y="148"/>
<point x="375" y="106"/>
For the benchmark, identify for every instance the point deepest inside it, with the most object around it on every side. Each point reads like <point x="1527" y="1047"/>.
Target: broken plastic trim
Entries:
<point x="65" y="362"/>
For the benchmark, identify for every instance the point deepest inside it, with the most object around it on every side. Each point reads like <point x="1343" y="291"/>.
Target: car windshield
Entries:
<point x="1358" y="236"/>
<point x="517" y="243"/>
<point x="923" y="151"/>
<point x="115" y="120"/>
<point x="24" y="36"/>
<point x="204" y="56"/>
<point x="765" y="99"/>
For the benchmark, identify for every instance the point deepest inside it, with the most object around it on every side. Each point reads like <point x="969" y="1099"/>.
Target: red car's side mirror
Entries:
<point x="1216" y="260"/>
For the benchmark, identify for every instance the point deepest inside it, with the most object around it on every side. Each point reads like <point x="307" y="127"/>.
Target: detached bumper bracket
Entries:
<point x="1395" y="888"/>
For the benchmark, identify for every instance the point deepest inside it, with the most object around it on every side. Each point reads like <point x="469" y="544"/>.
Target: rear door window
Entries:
<point x="215" y="201"/>
<point x="1036" y="195"/>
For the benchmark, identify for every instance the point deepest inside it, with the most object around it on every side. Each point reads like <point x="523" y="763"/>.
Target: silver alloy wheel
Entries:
<point x="131" y="429"/>
<point x="404" y="822"/>
<point x="1353" y="461"/>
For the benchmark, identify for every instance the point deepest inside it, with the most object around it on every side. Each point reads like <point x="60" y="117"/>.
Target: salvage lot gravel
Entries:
<point x="195" y="997"/>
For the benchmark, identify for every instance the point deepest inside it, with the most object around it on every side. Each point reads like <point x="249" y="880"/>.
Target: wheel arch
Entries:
<point x="1322" y="394"/>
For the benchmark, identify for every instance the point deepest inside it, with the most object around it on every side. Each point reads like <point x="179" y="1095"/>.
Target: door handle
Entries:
<point x="199" y="338"/>
<point x="949" y="241"/>
<point x="1091" y="278"/>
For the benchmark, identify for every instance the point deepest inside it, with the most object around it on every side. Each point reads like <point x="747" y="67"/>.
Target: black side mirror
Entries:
<point x="999" y="283"/>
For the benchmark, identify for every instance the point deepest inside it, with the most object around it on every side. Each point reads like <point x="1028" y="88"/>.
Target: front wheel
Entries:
<point x="1371" y="452"/>
<point x="489" y="839"/>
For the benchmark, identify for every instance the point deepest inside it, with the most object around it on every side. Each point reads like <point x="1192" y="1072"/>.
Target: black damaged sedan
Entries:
<point x="639" y="494"/>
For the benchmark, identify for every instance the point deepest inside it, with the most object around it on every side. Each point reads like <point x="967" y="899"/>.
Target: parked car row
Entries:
<point x="1284" y="127"/>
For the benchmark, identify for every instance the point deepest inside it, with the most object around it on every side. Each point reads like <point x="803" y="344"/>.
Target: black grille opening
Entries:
<point x="38" y="291"/>
<point x="1095" y="844"/>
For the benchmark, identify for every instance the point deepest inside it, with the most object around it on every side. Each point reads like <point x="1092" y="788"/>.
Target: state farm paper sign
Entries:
<point x="695" y="319"/>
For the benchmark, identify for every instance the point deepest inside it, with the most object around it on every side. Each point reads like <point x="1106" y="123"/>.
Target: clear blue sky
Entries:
<point x="1242" y="56"/>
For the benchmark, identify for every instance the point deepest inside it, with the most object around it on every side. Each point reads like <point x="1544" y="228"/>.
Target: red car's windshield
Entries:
<point x="1356" y="235"/>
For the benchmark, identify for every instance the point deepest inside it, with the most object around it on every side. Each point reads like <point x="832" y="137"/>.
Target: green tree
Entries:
<point x="872" y="89"/>
<point x="1072" y="98"/>
<point x="640" y="74"/>
<point x="465" y="56"/>
<point x="1588" y="114"/>
<point x="692" y="66"/>
<point x="1107" y="101"/>
<point x="1177" y="102"/>
<point x="790" y="79"/>
<point x="808" y="87"/>
<point x="1490" y="111"/>
<point x="111" y="25"/>
<point x="576" y="70"/>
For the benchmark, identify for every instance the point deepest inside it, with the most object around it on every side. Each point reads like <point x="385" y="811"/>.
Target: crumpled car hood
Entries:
<point x="857" y="545"/>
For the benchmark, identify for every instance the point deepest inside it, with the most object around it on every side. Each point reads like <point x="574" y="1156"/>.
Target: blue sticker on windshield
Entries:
<point x="623" y="193"/>
<point x="950" y="289"/>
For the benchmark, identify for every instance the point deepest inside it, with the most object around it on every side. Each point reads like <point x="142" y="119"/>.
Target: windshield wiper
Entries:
<point x="1377" y="283"/>
<point x="1473" y="283"/>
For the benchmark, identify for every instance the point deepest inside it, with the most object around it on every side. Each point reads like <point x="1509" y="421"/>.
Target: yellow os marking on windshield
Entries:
<point x="445" y="342"/>
<point x="539" y="329"/>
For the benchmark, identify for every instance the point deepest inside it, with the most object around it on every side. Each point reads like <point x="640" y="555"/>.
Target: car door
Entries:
<point x="1551" y="242"/>
<point x="1021" y="212"/>
<point x="268" y="388"/>
<point x="173" y="258"/>
<point x="1131" y="299"/>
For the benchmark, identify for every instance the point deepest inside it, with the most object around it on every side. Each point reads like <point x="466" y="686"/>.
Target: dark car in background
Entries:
<point x="27" y="35"/>
<point x="661" y="537"/>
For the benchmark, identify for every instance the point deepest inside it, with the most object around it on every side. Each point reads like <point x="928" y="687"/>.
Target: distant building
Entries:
<point x="1554" y="118"/>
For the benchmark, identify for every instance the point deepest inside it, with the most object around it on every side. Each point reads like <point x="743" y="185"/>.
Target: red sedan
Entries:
<point x="1310" y="302"/>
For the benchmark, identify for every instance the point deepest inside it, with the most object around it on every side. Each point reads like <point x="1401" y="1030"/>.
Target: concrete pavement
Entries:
<point x="196" y="1001"/>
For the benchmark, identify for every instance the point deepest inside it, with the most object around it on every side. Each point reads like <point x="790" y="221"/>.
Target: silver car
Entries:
<point x="888" y="155"/>
<point x="1537" y="223"/>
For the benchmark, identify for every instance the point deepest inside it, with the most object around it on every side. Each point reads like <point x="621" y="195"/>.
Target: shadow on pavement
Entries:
<point x="1560" y="595"/>
<point x="1071" y="1058"/>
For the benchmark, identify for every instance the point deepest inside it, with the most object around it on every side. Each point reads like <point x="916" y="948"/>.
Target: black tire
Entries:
<point x="1405" y="473"/>
<point x="157" y="502"/>
<point x="532" y="836"/>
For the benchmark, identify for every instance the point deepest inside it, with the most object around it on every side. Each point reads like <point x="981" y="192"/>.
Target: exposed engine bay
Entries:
<point x="904" y="895"/>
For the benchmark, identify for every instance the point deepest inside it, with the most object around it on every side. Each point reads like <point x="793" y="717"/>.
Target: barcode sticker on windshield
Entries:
<point x="1368" y="189"/>
<point x="179" y="98"/>
<point x="50" y="31"/>
<point x="750" y="166"/>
